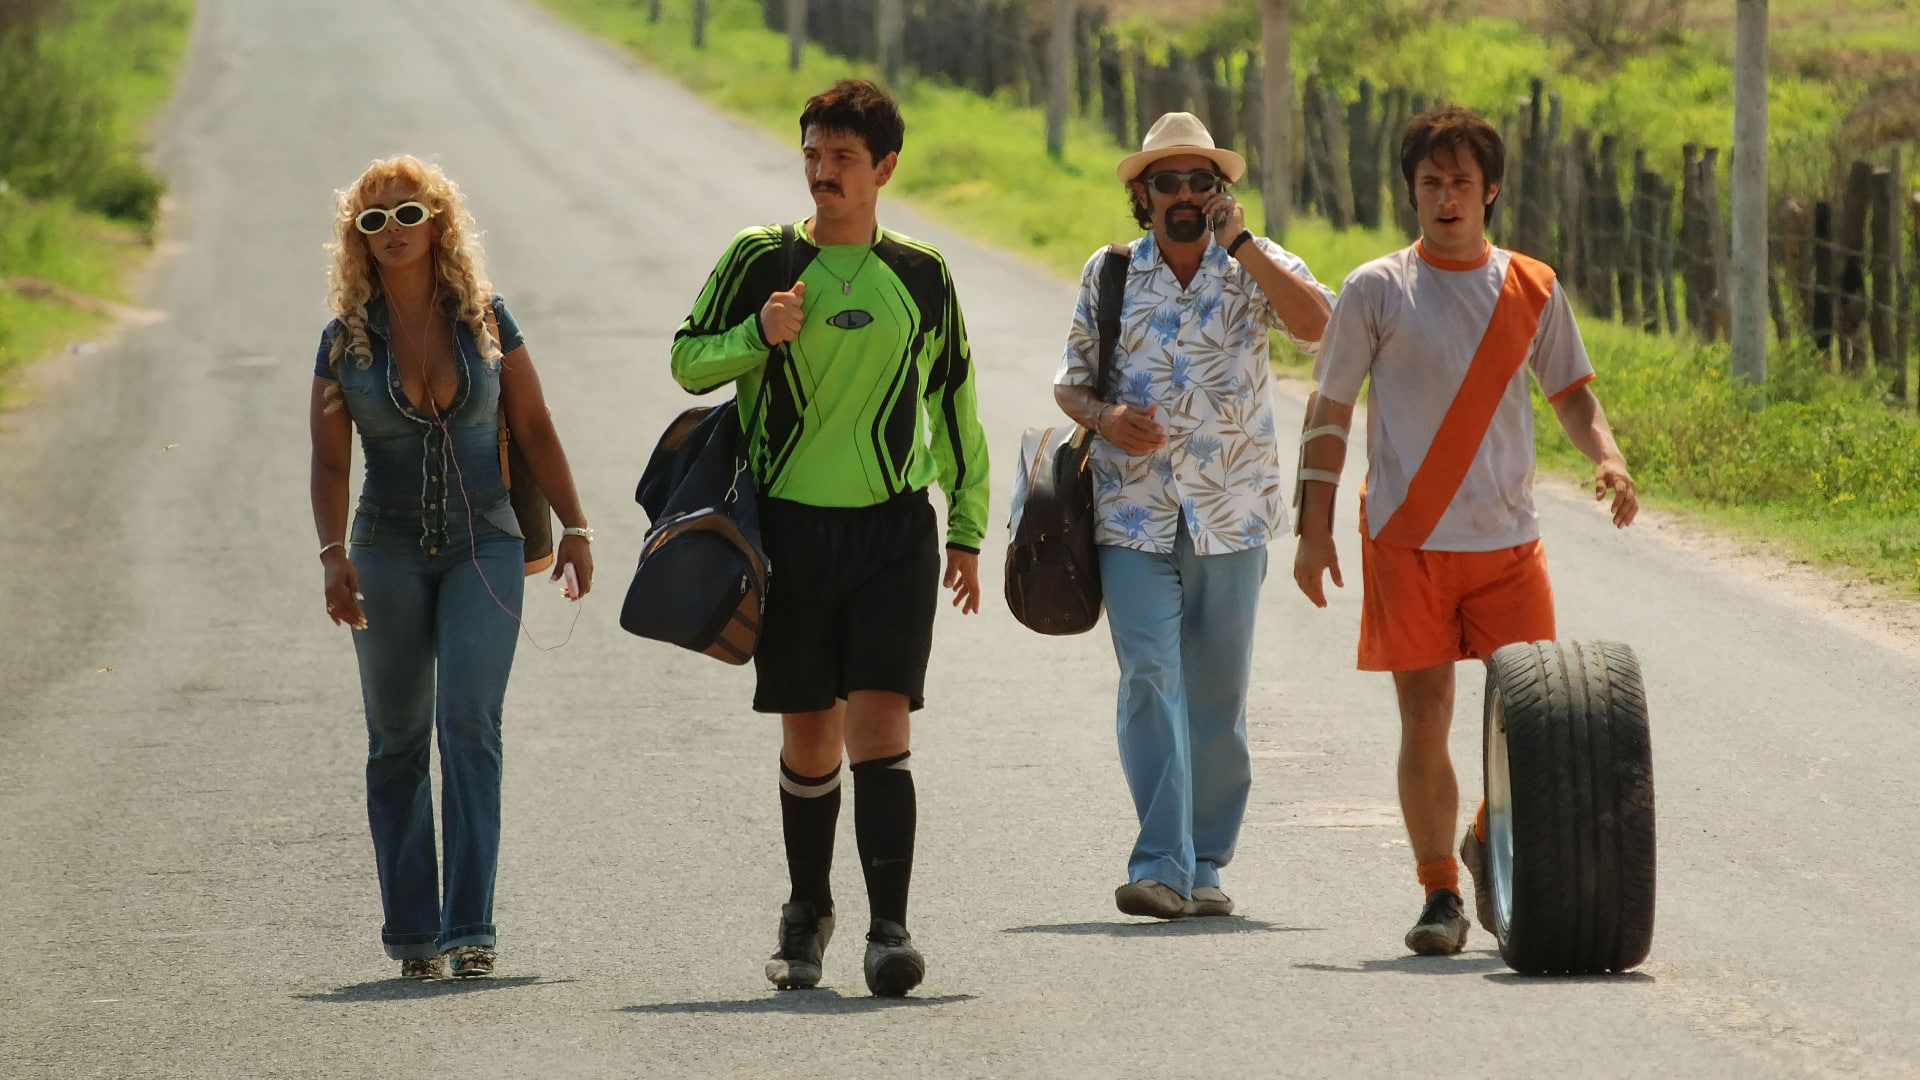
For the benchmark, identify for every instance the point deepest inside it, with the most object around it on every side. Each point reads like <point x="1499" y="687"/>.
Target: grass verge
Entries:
<point x="78" y="83"/>
<point x="1826" y="469"/>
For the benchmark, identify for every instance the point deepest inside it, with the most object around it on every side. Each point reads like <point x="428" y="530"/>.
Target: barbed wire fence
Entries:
<point x="1634" y="245"/>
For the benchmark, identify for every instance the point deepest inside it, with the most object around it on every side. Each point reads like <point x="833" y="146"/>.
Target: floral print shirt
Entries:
<point x="1199" y="352"/>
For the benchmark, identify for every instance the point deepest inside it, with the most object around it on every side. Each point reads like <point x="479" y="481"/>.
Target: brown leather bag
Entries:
<point x="1053" y="571"/>
<point x="530" y="505"/>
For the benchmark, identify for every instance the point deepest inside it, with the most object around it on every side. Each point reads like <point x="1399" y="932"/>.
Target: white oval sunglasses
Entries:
<point x="373" y="218"/>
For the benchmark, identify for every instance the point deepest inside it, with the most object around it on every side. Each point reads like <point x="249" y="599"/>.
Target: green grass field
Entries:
<point x="77" y="206"/>
<point x="1826" y="469"/>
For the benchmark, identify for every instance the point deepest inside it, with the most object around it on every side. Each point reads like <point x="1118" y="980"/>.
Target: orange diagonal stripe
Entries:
<point x="1523" y="296"/>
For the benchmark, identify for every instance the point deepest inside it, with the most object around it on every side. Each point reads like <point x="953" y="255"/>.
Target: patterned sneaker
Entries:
<point x="472" y="961"/>
<point x="1442" y="929"/>
<point x="1473" y="856"/>
<point x="894" y="966"/>
<point x="1151" y="899"/>
<point x="422" y="968"/>
<point x="803" y="944"/>
<point x="1209" y="900"/>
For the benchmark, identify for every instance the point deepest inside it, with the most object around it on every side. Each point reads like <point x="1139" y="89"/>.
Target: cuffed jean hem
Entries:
<point x="461" y="936"/>
<point x="1165" y="871"/>
<point x="410" y="946"/>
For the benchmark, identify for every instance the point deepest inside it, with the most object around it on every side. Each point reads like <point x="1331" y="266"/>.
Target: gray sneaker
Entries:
<point x="894" y="966"/>
<point x="1151" y="899"/>
<point x="1209" y="900"/>
<point x="1473" y="856"/>
<point x="803" y="943"/>
<point x="1442" y="929"/>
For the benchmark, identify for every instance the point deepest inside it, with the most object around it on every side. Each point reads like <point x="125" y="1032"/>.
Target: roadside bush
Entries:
<point x="73" y="80"/>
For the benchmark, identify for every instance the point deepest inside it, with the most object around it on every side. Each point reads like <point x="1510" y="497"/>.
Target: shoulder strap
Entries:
<point x="1113" y="287"/>
<point x="502" y="436"/>
<point x="1503" y="349"/>
<point x="788" y="237"/>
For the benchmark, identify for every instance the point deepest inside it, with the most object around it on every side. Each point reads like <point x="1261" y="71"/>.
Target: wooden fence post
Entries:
<point x="1851" y="299"/>
<point x="1086" y="70"/>
<point x="1113" y="98"/>
<point x="1571" y="252"/>
<point x="1363" y="157"/>
<point x="1333" y="177"/>
<point x="1720" y="256"/>
<point x="1663" y="250"/>
<point x="892" y="33"/>
<point x="1223" y="119"/>
<point x="1692" y="230"/>
<point x="1613" y="235"/>
<point x="1146" y="104"/>
<point x="1913" y="360"/>
<point x="1530" y="186"/>
<point x="1603" y="198"/>
<point x="1646" y="270"/>
<point x="1796" y="259"/>
<point x="1885" y="246"/>
<point x="1823" y="277"/>
<point x="1546" y="173"/>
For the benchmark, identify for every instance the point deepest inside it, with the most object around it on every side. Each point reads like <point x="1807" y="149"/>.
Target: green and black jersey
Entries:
<point x="878" y="397"/>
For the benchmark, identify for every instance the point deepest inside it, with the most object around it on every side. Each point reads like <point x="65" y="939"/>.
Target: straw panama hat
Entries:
<point x="1180" y="133"/>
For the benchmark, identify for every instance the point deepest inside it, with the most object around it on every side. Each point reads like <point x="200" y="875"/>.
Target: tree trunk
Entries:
<point x="1276" y="114"/>
<point x="796" y="19"/>
<point x="1059" y="77"/>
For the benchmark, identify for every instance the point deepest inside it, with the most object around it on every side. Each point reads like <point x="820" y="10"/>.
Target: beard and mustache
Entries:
<point x="1185" y="223"/>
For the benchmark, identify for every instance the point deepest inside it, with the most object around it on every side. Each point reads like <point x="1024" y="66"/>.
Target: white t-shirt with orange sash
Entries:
<point x="1444" y="350"/>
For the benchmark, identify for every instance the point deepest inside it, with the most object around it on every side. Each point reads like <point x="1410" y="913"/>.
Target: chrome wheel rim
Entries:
<point x="1499" y="818"/>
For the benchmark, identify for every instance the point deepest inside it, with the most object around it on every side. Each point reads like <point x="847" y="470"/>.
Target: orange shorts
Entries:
<point x="1421" y="608"/>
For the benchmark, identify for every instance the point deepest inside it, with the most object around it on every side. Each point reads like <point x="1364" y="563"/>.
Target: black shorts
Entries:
<point x="850" y="603"/>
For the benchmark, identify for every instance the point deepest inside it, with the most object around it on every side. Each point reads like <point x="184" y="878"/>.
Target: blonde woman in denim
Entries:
<point x="428" y="569"/>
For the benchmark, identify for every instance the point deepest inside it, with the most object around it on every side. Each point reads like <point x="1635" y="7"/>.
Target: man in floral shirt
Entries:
<point x="1187" y="492"/>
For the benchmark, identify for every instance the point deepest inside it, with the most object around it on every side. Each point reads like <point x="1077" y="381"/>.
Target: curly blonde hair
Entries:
<point x="459" y="264"/>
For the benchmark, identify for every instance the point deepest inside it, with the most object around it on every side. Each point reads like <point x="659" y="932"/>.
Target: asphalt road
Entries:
<point x="186" y="887"/>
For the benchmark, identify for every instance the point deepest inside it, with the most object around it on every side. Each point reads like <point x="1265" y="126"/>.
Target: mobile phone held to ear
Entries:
<point x="1216" y="219"/>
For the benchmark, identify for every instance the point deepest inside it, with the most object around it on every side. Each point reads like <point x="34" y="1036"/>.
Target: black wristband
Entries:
<point x="1245" y="235"/>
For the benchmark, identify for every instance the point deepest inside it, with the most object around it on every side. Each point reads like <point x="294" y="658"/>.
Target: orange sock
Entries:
<point x="1480" y="822"/>
<point x="1440" y="874"/>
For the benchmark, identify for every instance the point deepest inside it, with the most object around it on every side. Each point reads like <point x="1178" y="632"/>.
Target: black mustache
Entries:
<point x="828" y="185"/>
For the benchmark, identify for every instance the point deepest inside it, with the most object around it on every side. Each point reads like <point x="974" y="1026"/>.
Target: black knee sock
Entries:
<point x="809" y="813"/>
<point x="883" y="824"/>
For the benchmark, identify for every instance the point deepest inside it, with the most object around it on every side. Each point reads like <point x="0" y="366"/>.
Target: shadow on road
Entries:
<point x="1176" y="928"/>
<point x="1624" y="978"/>
<point x="1464" y="964"/>
<point x="818" y="1001"/>
<point x="411" y="990"/>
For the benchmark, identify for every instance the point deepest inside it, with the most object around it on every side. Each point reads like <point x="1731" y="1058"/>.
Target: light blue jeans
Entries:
<point x="439" y="642"/>
<point x="1183" y="632"/>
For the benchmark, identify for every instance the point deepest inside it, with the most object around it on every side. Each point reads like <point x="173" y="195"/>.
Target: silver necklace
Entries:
<point x="846" y="283"/>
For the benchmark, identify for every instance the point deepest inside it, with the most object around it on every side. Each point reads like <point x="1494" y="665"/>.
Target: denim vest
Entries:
<point x="425" y="473"/>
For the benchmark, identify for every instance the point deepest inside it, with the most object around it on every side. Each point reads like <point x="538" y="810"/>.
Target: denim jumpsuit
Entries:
<point x="440" y="562"/>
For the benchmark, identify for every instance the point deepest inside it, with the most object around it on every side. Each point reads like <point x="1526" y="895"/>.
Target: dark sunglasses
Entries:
<point x="373" y="218"/>
<point x="1199" y="181"/>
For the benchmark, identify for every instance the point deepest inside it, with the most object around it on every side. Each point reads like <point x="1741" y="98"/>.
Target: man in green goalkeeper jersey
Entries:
<point x="871" y="401"/>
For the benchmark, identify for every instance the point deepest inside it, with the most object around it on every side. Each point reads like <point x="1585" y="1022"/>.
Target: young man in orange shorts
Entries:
<point x="1444" y="333"/>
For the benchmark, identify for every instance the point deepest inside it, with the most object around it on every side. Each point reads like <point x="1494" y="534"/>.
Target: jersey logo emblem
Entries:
<point x="850" y="319"/>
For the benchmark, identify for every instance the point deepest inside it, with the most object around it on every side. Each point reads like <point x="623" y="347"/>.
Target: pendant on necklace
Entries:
<point x="846" y="288"/>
